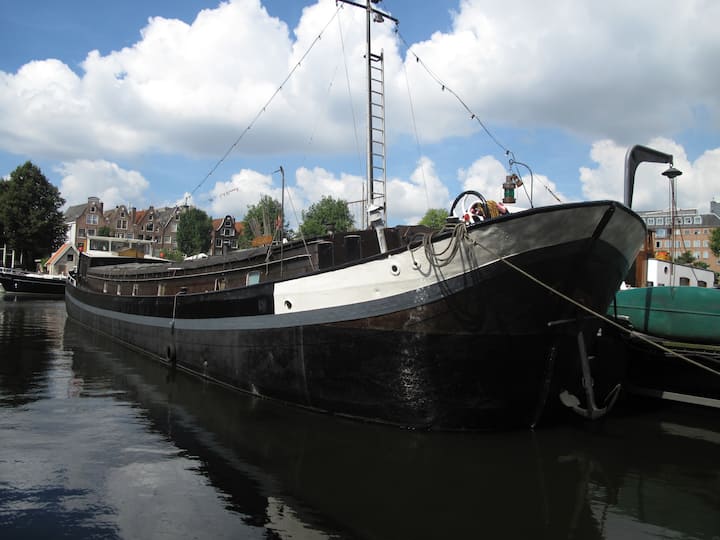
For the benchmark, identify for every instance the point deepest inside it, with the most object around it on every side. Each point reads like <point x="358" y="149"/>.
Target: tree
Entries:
<point x="194" y="231"/>
<point x="104" y="231"/>
<point x="30" y="218"/>
<point x="685" y="257"/>
<point x="326" y="215"/>
<point x="715" y="242"/>
<point x="261" y="219"/>
<point x="434" y="218"/>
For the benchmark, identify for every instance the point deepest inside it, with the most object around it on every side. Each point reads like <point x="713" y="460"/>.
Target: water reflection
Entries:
<point x="368" y="481"/>
<point x="30" y="337"/>
<point x="112" y="445"/>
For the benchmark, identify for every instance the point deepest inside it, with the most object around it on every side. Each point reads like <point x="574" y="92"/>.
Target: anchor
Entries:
<point x="591" y="411"/>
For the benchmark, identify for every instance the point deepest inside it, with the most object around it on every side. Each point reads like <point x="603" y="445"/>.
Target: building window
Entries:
<point x="91" y="232"/>
<point x="667" y="221"/>
<point x="227" y="232"/>
<point x="687" y="220"/>
<point x="149" y="226"/>
<point x="651" y="221"/>
<point x="81" y="233"/>
<point x="697" y="220"/>
<point x="218" y="242"/>
<point x="121" y="224"/>
<point x="91" y="219"/>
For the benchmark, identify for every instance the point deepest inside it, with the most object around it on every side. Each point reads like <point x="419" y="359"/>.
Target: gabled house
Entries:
<point x="63" y="261"/>
<point x="225" y="235"/>
<point x="84" y="220"/>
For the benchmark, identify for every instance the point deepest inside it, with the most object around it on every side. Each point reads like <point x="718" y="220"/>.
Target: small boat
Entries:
<point x="686" y="314"/>
<point x="16" y="282"/>
<point x="494" y="321"/>
<point x="673" y="346"/>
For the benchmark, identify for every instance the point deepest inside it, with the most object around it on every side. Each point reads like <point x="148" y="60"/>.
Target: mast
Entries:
<point x="375" y="204"/>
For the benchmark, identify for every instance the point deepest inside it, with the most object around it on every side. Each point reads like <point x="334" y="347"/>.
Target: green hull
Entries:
<point x="690" y="314"/>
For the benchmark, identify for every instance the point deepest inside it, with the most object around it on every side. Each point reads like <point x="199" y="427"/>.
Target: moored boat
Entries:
<point x="487" y="323"/>
<point x="686" y="314"/>
<point x="16" y="282"/>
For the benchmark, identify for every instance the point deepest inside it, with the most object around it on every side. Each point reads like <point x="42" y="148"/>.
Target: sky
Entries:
<point x="162" y="102"/>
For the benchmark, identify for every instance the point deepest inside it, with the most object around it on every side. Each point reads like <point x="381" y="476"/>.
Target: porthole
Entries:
<point x="288" y="304"/>
<point x="395" y="270"/>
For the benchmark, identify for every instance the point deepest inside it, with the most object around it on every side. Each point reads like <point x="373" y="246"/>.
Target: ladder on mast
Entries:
<point x="377" y="180"/>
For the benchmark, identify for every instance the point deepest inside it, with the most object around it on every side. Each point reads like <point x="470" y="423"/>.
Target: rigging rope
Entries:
<point x="267" y="103"/>
<point x="473" y="116"/>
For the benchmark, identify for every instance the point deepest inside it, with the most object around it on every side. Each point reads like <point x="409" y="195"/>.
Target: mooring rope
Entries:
<point x="590" y="310"/>
<point x="460" y="233"/>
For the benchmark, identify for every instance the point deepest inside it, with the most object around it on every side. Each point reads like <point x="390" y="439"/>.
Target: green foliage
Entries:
<point x="104" y="231"/>
<point x="326" y="215"/>
<point x="194" y="231"/>
<point x="685" y="257"/>
<point x="172" y="255"/>
<point x="701" y="264"/>
<point x="30" y="218"/>
<point x="261" y="219"/>
<point x="715" y="242"/>
<point x="434" y="218"/>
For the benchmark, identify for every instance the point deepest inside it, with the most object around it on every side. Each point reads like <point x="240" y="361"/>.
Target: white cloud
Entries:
<point x="614" y="72"/>
<point x="111" y="183"/>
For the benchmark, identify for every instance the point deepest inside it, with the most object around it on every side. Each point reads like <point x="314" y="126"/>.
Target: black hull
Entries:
<point x="21" y="284"/>
<point x="487" y="349"/>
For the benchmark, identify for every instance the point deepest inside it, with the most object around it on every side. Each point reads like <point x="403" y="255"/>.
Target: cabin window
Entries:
<point x="136" y="289"/>
<point x="220" y="284"/>
<point x="253" y="278"/>
<point x="684" y="282"/>
<point x="105" y="287"/>
<point x="649" y="284"/>
<point x="161" y="289"/>
<point x="702" y="283"/>
<point x="119" y="290"/>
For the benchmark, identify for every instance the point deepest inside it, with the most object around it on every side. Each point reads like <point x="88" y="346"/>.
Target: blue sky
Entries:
<point x="136" y="102"/>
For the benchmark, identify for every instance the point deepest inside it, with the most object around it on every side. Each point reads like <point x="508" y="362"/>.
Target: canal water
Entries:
<point x="96" y="441"/>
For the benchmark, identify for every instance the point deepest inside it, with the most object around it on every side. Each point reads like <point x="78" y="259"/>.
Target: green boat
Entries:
<point x="688" y="314"/>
